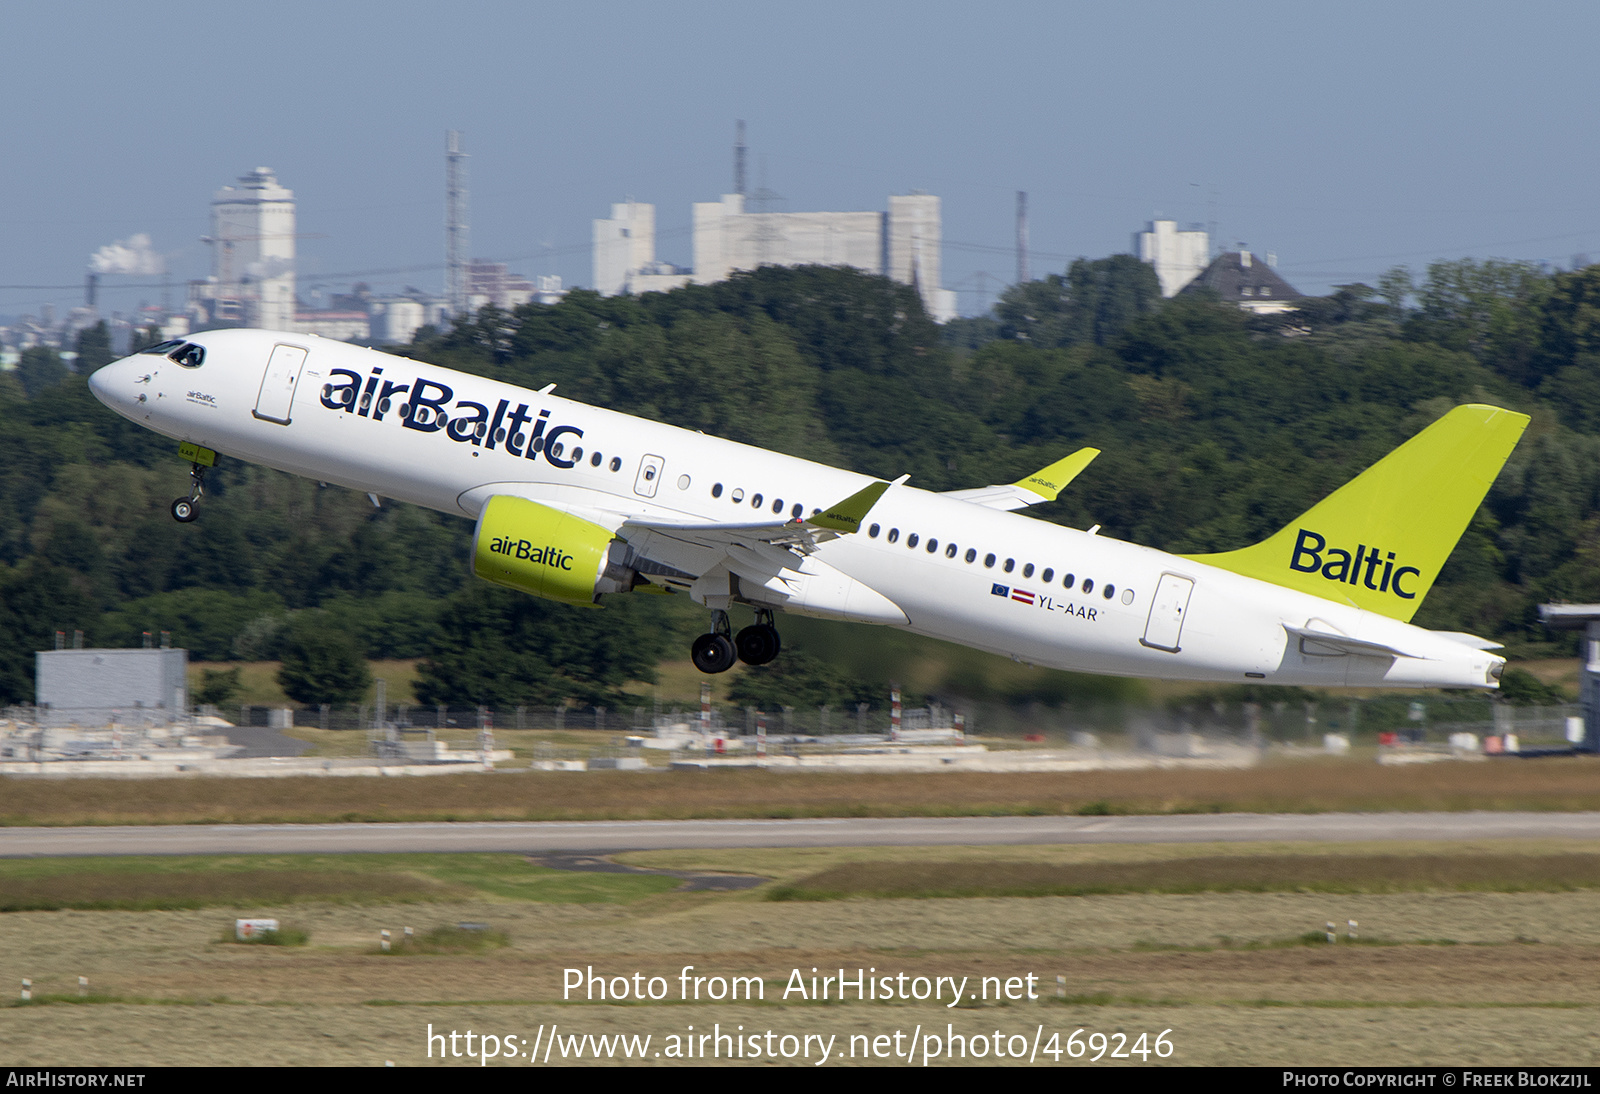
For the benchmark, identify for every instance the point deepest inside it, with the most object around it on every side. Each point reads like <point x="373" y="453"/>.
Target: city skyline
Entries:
<point x="1344" y="143"/>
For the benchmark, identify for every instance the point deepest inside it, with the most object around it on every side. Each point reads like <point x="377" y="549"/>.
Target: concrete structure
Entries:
<point x="1243" y="279"/>
<point x="903" y="243"/>
<point x="491" y="283"/>
<point x="88" y="686"/>
<point x="1179" y="257"/>
<point x="252" y="254"/>
<point x="1571" y="617"/>
<point x="625" y="253"/>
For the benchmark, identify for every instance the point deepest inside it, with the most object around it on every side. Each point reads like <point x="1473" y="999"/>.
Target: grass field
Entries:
<point x="1448" y="976"/>
<point x="1305" y="786"/>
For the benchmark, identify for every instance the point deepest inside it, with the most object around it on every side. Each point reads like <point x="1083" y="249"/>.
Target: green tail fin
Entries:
<point x="1379" y="541"/>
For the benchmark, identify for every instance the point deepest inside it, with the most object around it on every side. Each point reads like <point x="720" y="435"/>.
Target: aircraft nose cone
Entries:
<point x="113" y="384"/>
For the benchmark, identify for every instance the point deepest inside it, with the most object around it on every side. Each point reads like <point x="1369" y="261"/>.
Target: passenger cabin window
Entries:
<point x="1027" y="571"/>
<point x="1110" y="591"/>
<point x="971" y="554"/>
<point x="1069" y="581"/>
<point x="950" y="551"/>
<point x="911" y="540"/>
<point x="755" y="501"/>
<point x="873" y="531"/>
<point x="1011" y="564"/>
<point x="616" y="463"/>
<point x="1047" y="576"/>
<point x="933" y="546"/>
<point x="988" y="562"/>
<point x="894" y="535"/>
<point x="1088" y="584"/>
<point x="716" y="491"/>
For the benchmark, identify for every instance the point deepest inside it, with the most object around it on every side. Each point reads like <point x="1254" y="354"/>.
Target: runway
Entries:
<point x="605" y="836"/>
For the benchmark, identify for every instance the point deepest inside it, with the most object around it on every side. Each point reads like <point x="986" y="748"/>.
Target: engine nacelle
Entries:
<point x="536" y="549"/>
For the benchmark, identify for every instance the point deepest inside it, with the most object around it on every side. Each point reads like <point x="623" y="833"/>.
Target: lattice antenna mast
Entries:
<point x="455" y="223"/>
<point x="1022" y="237"/>
<point x="738" y="159"/>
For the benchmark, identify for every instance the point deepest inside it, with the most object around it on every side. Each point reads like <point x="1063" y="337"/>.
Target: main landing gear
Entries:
<point x="756" y="644"/>
<point x="187" y="509"/>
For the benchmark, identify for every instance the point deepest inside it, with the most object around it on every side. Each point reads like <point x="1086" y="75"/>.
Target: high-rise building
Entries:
<point x="252" y="253"/>
<point x="903" y="243"/>
<point x="1177" y="256"/>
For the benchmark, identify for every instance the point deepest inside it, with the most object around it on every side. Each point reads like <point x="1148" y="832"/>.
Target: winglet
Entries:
<point x="848" y="514"/>
<point x="1050" y="481"/>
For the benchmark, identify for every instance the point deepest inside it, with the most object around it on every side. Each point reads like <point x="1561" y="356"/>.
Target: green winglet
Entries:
<point x="1050" y="481"/>
<point x="848" y="514"/>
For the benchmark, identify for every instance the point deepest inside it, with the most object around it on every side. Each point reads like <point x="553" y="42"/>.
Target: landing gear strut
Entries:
<point x="714" y="652"/>
<point x="186" y="509"/>
<point x="758" y="643"/>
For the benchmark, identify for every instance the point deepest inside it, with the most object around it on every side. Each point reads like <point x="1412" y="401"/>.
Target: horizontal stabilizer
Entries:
<point x="1045" y="484"/>
<point x="1471" y="641"/>
<point x="1334" y="644"/>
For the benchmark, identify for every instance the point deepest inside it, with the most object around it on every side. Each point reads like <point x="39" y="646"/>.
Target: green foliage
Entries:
<point x="94" y="348"/>
<point x="1519" y="686"/>
<point x="322" y="665"/>
<point x="1217" y="429"/>
<point x="796" y="679"/>
<point x="39" y="368"/>
<point x="503" y="648"/>
<point x="218" y="686"/>
<point x="1092" y="303"/>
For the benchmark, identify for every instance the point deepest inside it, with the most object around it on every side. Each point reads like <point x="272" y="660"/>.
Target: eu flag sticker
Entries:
<point x="999" y="590"/>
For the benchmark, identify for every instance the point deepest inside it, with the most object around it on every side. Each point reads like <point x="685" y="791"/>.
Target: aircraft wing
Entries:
<point x="1045" y="484"/>
<point x="803" y="534"/>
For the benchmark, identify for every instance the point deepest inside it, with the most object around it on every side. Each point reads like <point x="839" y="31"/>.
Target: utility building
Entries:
<point x="87" y="687"/>
<point x="903" y="243"/>
<point x="1179" y="257"/>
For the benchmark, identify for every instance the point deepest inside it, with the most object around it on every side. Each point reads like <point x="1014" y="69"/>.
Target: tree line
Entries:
<point x="1217" y="428"/>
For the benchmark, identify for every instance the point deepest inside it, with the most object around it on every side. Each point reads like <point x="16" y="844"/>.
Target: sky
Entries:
<point x="1344" y="138"/>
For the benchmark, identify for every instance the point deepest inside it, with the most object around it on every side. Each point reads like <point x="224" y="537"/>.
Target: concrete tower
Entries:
<point x="252" y="251"/>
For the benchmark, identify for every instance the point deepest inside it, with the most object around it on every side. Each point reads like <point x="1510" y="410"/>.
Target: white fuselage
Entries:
<point x="1128" y="610"/>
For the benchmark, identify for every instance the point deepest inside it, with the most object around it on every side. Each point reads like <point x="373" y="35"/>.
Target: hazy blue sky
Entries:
<point x="1344" y="137"/>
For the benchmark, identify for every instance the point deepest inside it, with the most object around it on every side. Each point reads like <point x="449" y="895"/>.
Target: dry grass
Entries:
<point x="1327" y="873"/>
<point x="142" y="891"/>
<point x="1303" y="787"/>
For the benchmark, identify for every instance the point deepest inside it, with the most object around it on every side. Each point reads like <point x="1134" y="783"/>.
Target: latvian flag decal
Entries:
<point x="1023" y="595"/>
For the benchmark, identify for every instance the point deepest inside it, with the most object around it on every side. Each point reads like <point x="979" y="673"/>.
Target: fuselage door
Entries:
<point x="649" y="476"/>
<point x="1166" y="613"/>
<point x="278" y="384"/>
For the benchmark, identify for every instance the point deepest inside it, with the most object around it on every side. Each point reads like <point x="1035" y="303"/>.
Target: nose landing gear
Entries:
<point x="187" y="509"/>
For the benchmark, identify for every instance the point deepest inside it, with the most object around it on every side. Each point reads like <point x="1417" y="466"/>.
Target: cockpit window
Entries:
<point x="189" y="355"/>
<point x="164" y="347"/>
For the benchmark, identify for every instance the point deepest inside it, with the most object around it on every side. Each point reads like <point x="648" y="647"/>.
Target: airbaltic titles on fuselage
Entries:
<point x="1310" y="547"/>
<point x="467" y="422"/>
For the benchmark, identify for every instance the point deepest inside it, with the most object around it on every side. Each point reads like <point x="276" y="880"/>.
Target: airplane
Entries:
<point x="574" y="502"/>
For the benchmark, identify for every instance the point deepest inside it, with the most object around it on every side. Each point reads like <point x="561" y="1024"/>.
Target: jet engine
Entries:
<point x="536" y="549"/>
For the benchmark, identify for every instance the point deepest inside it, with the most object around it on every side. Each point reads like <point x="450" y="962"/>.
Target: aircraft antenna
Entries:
<point x="1022" y="237"/>
<point x="455" y="224"/>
